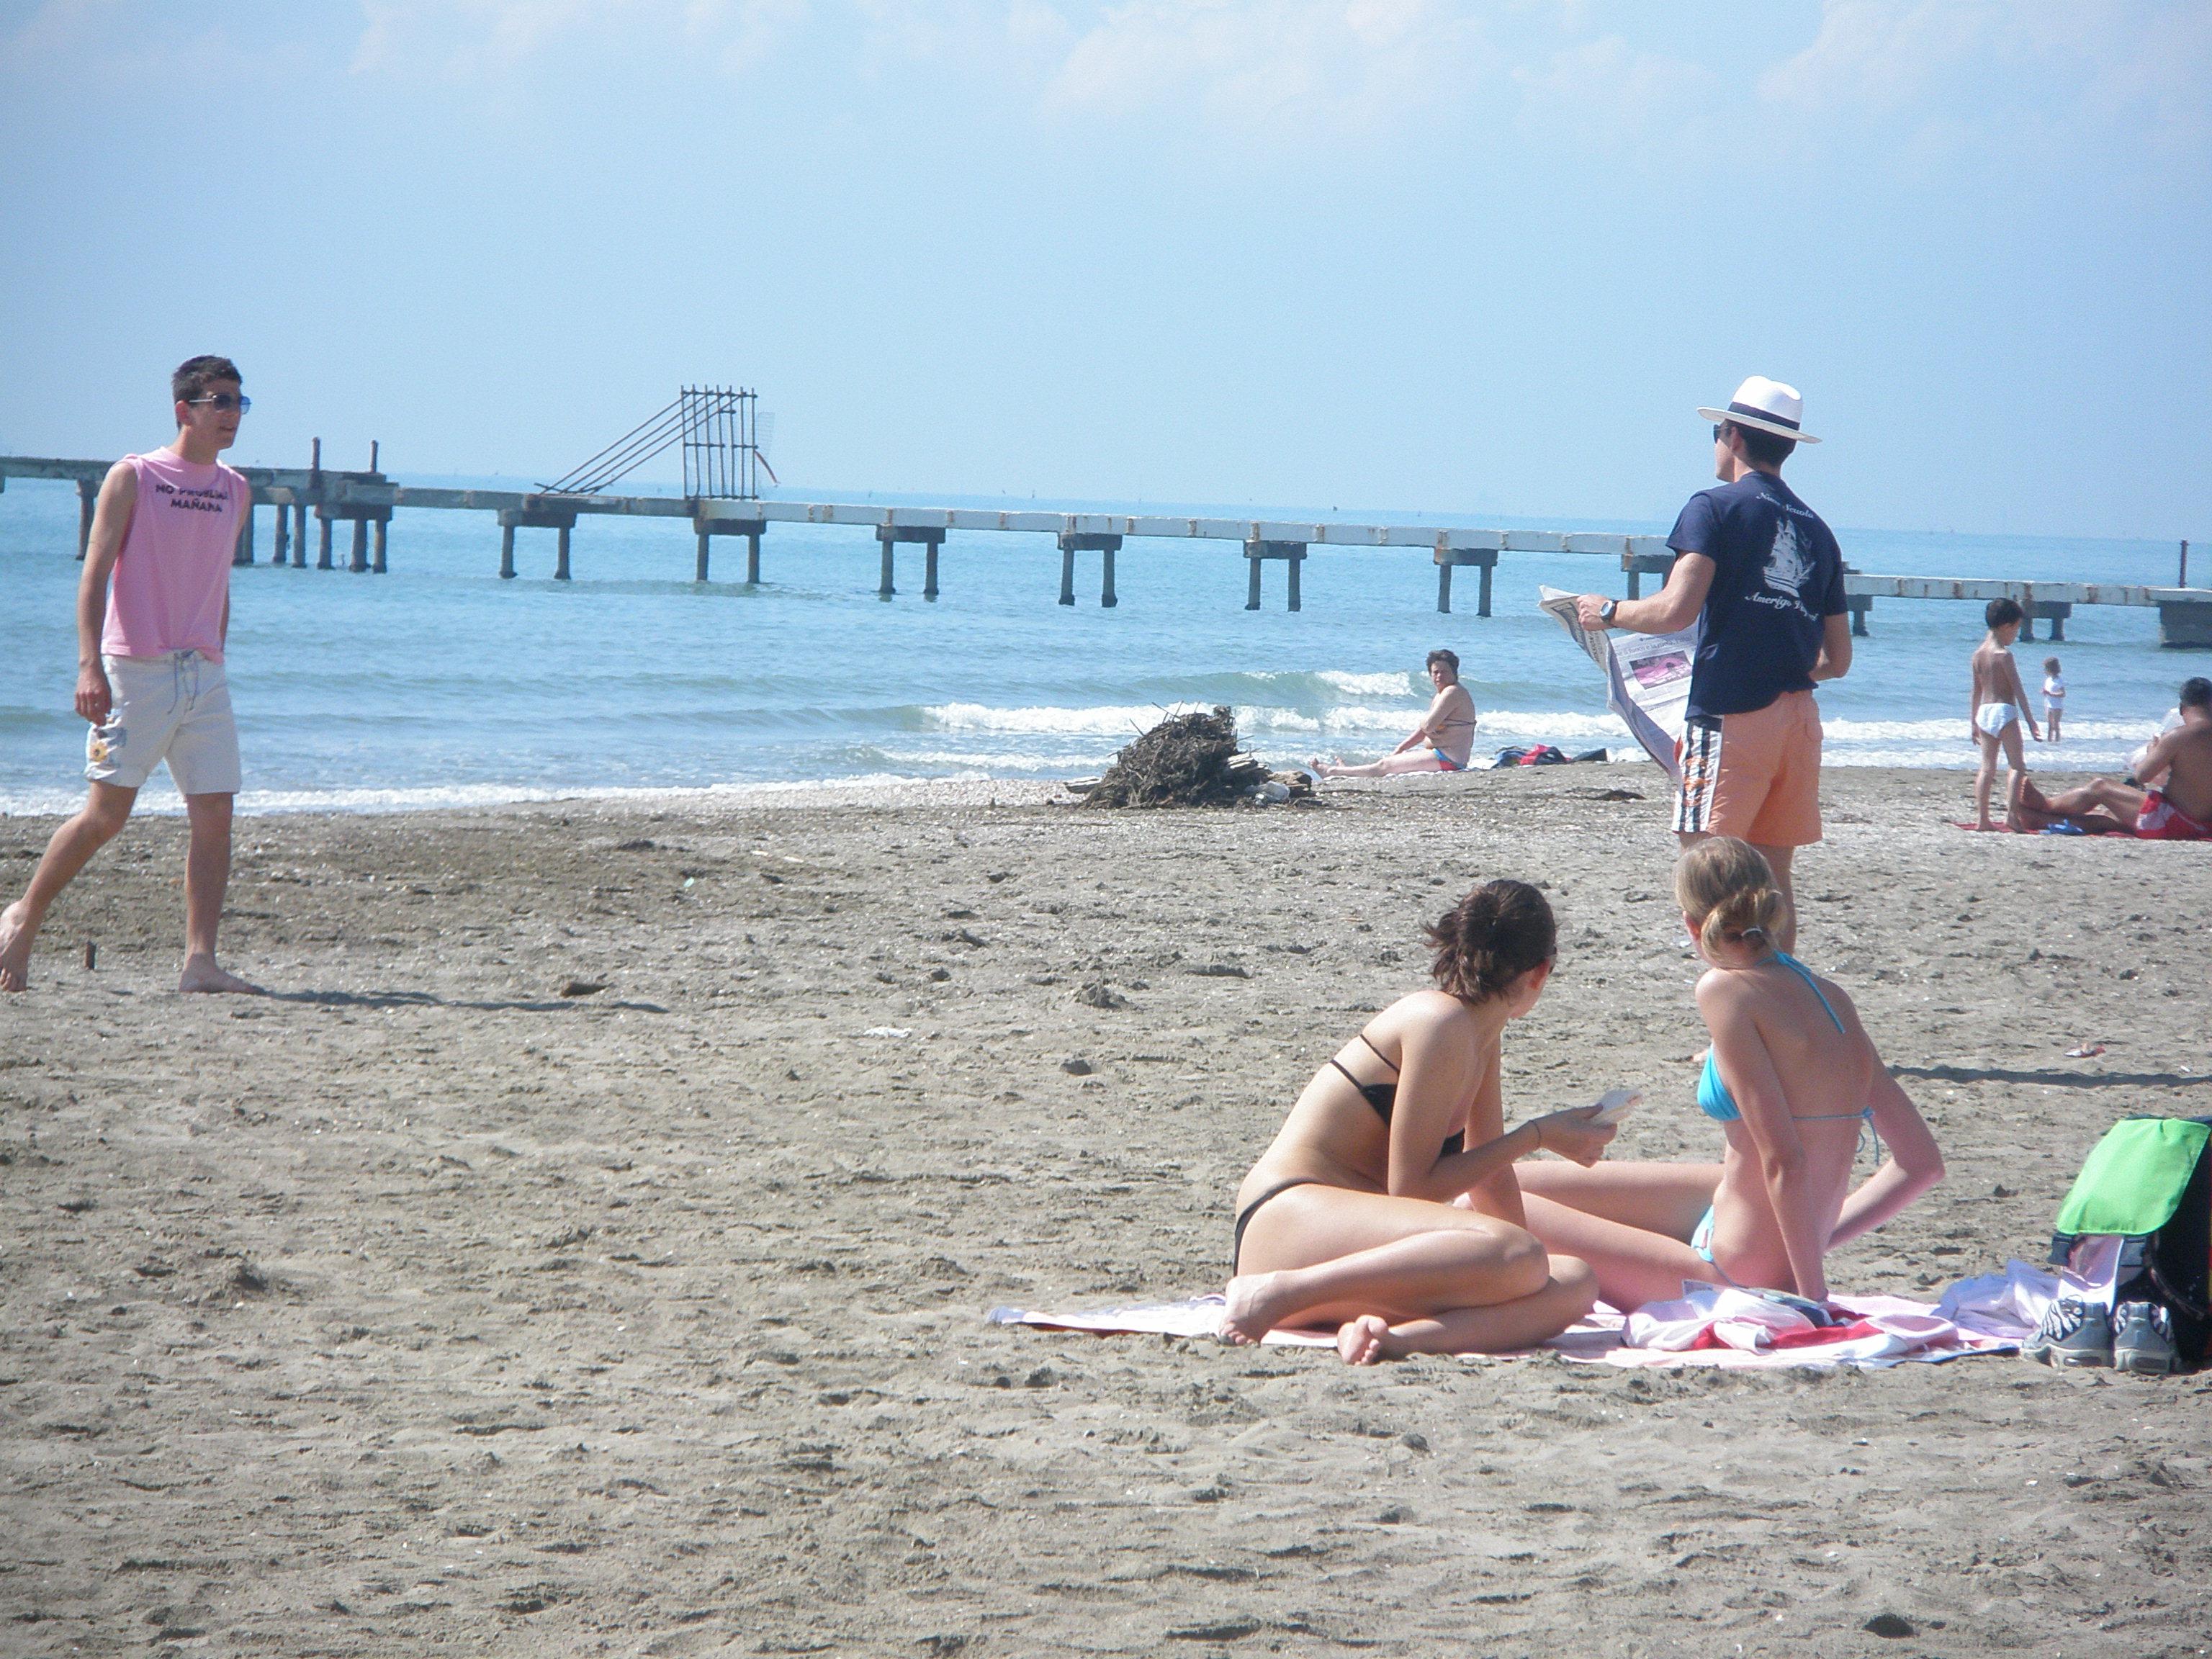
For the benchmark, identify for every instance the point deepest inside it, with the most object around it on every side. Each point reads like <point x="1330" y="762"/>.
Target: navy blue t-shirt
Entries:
<point x="1779" y="573"/>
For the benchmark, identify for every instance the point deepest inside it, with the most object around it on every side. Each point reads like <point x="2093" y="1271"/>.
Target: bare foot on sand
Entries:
<point x="1365" y="1340"/>
<point x="1254" y="1308"/>
<point x="203" y="974"/>
<point x="15" y="937"/>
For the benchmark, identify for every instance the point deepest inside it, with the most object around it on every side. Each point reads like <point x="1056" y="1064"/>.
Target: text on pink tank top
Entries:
<point x="173" y="574"/>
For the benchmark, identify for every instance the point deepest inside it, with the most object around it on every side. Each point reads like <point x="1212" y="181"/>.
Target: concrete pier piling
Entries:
<point x="706" y="527"/>
<point x="1073" y="542"/>
<point x="930" y="537"/>
<point x="88" y="495"/>
<point x="1483" y="559"/>
<point x="536" y="515"/>
<point x="2185" y="625"/>
<point x="1639" y="562"/>
<point x="1257" y="550"/>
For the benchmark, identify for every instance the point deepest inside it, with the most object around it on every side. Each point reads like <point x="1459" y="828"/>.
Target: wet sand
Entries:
<point x="425" y="1308"/>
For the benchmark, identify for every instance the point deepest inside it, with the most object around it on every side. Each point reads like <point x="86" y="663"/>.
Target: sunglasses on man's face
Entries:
<point x="222" y="401"/>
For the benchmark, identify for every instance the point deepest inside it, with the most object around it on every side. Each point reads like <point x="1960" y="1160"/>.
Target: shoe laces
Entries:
<point x="2153" y="1314"/>
<point x="2064" y="1317"/>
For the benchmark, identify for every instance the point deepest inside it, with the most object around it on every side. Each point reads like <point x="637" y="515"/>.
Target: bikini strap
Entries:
<point x="1374" y="1051"/>
<point x="1805" y="974"/>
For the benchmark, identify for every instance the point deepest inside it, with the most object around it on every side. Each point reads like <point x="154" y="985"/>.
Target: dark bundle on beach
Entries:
<point x="1187" y="760"/>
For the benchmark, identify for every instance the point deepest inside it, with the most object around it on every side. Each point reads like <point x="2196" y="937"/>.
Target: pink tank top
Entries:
<point x="173" y="576"/>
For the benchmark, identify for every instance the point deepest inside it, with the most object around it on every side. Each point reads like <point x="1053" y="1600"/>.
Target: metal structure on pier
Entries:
<point x="717" y="427"/>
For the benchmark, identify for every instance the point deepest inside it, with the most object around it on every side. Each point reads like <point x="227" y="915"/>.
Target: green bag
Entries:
<point x="2148" y="1182"/>
<point x="2134" y="1178"/>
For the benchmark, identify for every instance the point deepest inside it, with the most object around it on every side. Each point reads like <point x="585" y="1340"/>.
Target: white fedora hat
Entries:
<point x="1769" y="405"/>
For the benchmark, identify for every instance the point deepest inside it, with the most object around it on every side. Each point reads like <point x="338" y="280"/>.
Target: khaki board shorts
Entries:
<point x="1755" y="777"/>
<point x="174" y="707"/>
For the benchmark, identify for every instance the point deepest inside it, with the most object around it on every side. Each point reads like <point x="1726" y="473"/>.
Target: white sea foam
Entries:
<point x="979" y="764"/>
<point x="1370" y="685"/>
<point x="1117" y="720"/>
<point x="1953" y="730"/>
<point x="1121" y="722"/>
<point x="1037" y="743"/>
<point x="1550" y="724"/>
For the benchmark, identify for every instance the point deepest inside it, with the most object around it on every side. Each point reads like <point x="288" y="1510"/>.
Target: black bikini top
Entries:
<point x="1383" y="1097"/>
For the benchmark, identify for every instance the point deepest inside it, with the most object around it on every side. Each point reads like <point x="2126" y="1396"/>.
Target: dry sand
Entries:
<point x="424" y="1308"/>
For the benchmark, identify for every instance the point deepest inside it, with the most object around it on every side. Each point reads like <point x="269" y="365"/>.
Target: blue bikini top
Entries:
<point x="1714" y="1099"/>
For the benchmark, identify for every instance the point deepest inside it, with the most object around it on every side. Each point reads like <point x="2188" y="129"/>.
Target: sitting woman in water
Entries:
<point x="1791" y="1077"/>
<point x="1348" y="1219"/>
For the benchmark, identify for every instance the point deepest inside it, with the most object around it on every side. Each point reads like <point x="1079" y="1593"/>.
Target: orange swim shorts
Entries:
<point x="1756" y="776"/>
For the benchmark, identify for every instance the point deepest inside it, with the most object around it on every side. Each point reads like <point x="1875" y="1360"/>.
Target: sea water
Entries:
<point x="439" y="683"/>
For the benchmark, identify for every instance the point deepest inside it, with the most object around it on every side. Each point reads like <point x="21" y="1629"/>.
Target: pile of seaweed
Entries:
<point x="1187" y="760"/>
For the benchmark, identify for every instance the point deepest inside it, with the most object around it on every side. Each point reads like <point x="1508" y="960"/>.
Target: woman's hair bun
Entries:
<point x="1491" y="937"/>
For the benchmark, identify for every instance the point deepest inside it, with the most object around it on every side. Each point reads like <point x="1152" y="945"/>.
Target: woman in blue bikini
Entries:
<point x="1791" y="1078"/>
<point x="1349" y="1218"/>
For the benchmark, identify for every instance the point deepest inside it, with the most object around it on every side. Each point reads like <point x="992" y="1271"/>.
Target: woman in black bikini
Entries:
<point x="1350" y="1219"/>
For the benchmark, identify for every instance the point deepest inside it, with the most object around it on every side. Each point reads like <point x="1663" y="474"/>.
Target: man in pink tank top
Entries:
<point x="152" y="613"/>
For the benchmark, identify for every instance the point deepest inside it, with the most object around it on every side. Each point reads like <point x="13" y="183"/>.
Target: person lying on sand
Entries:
<point x="1791" y="1077"/>
<point x="2177" y="805"/>
<point x="1440" y="742"/>
<point x="1348" y="1219"/>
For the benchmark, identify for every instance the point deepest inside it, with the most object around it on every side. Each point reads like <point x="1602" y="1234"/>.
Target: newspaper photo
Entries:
<point x="1646" y="677"/>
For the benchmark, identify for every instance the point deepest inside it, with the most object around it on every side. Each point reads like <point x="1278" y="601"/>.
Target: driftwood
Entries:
<point x="1187" y="760"/>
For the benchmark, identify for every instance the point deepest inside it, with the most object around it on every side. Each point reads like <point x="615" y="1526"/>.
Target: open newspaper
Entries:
<point x="1646" y="677"/>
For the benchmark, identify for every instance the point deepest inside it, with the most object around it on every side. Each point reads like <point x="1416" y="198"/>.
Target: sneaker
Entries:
<point x="2073" y="1333"/>
<point x="2142" y="1339"/>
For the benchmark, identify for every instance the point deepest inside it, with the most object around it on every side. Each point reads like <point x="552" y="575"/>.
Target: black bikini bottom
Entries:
<point x="1245" y="1215"/>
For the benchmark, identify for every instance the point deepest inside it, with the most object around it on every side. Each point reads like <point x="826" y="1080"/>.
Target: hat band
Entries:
<point x="1762" y="415"/>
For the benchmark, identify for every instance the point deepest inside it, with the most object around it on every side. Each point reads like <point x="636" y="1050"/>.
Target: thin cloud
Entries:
<point x="489" y="39"/>
<point x="1943" y="76"/>
<point x="1927" y="83"/>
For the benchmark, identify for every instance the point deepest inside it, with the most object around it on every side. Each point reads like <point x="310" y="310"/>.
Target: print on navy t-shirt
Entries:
<point x="1777" y="574"/>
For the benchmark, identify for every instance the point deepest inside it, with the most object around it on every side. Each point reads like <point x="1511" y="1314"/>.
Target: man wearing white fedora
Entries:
<point x="1762" y="577"/>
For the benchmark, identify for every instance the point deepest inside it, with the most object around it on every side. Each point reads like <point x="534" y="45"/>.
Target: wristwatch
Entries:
<point x="1604" y="611"/>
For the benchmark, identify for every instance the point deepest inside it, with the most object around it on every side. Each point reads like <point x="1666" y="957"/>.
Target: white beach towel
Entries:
<point x="1709" y="1325"/>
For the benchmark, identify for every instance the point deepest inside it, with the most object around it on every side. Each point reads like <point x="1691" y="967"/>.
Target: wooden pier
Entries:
<point x="366" y="500"/>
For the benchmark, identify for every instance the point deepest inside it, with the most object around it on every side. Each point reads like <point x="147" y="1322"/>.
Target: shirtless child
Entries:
<point x="2177" y="769"/>
<point x="1440" y="742"/>
<point x="2000" y="704"/>
<point x="149" y="666"/>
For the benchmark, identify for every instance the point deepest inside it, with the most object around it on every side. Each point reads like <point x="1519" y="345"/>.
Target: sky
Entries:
<point x="1407" y="255"/>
